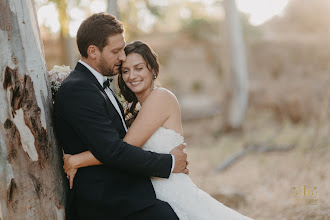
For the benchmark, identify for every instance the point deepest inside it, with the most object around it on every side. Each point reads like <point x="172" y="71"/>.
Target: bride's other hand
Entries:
<point x="180" y="159"/>
<point x="69" y="168"/>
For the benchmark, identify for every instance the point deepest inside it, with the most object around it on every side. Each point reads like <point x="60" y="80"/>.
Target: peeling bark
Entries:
<point x="31" y="175"/>
<point x="31" y="191"/>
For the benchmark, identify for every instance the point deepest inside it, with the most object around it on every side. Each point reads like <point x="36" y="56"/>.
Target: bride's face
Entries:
<point x="136" y="75"/>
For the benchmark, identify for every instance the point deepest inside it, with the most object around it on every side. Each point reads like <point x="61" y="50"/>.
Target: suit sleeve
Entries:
<point x="84" y="109"/>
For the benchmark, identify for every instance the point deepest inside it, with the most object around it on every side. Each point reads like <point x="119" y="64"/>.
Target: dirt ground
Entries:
<point x="260" y="185"/>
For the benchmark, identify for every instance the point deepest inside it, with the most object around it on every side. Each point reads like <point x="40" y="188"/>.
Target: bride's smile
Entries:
<point x="137" y="76"/>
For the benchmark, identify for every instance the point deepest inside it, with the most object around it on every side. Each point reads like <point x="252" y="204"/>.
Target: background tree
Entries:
<point x="113" y="8"/>
<point x="31" y="177"/>
<point x="67" y="51"/>
<point x="238" y="91"/>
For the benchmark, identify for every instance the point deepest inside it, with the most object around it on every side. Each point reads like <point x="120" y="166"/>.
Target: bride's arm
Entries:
<point x="155" y="110"/>
<point x="73" y="162"/>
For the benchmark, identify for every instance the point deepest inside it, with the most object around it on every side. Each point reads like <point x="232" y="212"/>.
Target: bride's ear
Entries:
<point x="92" y="51"/>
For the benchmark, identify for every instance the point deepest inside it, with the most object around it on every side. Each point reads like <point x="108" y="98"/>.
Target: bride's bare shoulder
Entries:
<point x="162" y="95"/>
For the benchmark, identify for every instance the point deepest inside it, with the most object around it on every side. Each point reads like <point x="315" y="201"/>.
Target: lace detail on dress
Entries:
<point x="163" y="141"/>
<point x="187" y="200"/>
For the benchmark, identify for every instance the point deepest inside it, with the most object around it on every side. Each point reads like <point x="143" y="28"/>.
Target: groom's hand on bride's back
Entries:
<point x="180" y="159"/>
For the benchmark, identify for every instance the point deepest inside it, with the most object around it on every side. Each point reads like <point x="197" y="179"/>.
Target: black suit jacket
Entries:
<point x="85" y="119"/>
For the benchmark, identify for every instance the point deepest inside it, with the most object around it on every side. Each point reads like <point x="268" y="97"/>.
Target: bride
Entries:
<point x="156" y="127"/>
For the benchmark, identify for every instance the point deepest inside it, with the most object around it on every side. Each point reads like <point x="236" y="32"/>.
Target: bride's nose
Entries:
<point x="132" y="75"/>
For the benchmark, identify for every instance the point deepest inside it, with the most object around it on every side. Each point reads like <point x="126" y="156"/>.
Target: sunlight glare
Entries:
<point x="98" y="6"/>
<point x="77" y="16"/>
<point x="44" y="19"/>
<point x="146" y="19"/>
<point x="261" y="10"/>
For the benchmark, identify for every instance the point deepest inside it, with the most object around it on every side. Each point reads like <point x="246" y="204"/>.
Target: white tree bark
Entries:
<point x="31" y="177"/>
<point x="113" y="8"/>
<point x="238" y="92"/>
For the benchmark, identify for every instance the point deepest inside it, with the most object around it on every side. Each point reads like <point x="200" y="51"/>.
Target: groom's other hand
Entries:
<point x="180" y="159"/>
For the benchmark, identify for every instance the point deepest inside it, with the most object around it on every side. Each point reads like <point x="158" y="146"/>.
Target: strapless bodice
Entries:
<point x="163" y="141"/>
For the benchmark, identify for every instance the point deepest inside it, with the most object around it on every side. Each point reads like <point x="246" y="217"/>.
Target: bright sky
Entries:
<point x="259" y="11"/>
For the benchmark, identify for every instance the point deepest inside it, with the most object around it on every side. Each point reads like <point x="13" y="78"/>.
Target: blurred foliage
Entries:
<point x="249" y="31"/>
<point x="129" y="16"/>
<point x="156" y="10"/>
<point x="308" y="15"/>
<point x="200" y="28"/>
<point x="200" y="25"/>
<point x="62" y="7"/>
<point x="190" y="17"/>
<point x="302" y="18"/>
<point x="197" y="86"/>
<point x="64" y="17"/>
<point x="194" y="17"/>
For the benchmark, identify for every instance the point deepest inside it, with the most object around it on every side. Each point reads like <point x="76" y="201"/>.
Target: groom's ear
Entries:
<point x="92" y="51"/>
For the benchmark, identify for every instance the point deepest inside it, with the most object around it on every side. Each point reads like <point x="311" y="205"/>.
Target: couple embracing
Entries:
<point x="124" y="165"/>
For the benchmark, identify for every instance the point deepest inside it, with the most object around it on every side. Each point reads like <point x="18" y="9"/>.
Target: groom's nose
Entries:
<point x="122" y="55"/>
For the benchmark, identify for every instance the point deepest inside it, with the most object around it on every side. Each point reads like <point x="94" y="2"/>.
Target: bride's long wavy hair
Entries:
<point x="151" y="59"/>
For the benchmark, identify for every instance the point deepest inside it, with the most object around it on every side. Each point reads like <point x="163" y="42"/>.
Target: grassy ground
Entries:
<point x="260" y="184"/>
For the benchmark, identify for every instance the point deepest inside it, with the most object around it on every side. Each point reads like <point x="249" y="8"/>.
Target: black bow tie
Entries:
<point x="106" y="83"/>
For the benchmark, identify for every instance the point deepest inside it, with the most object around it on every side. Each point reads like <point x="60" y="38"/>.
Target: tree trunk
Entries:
<point x="31" y="176"/>
<point x="65" y="39"/>
<point x="113" y="8"/>
<point x="238" y="92"/>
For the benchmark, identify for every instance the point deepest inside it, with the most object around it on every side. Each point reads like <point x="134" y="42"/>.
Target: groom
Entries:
<point x="89" y="117"/>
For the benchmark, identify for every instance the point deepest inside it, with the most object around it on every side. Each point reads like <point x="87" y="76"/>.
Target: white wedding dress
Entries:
<point x="187" y="200"/>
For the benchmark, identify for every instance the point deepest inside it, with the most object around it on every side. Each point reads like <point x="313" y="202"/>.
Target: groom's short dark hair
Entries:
<point x="95" y="30"/>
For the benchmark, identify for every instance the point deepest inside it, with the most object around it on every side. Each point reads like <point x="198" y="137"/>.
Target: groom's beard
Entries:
<point x="106" y="69"/>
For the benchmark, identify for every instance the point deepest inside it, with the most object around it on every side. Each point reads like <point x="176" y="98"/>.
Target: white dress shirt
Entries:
<point x="101" y="79"/>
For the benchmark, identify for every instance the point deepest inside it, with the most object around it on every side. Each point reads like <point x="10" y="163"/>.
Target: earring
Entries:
<point x="155" y="76"/>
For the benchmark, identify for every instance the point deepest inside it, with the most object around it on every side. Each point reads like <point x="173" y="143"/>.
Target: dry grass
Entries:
<point x="265" y="181"/>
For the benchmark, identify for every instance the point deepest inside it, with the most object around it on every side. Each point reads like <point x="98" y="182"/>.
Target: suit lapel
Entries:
<point x="81" y="68"/>
<point x="88" y="74"/>
<point x="119" y="104"/>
